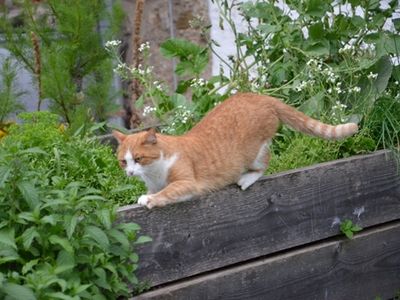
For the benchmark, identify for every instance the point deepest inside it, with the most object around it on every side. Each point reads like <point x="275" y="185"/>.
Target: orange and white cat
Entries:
<point x="230" y="145"/>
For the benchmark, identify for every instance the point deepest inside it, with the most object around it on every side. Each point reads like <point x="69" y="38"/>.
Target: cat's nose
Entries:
<point x="129" y="173"/>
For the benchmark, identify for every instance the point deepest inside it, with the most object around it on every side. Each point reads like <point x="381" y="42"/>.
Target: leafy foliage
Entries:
<point x="8" y="93"/>
<point x="333" y="61"/>
<point x="349" y="229"/>
<point x="58" y="233"/>
<point x="75" y="72"/>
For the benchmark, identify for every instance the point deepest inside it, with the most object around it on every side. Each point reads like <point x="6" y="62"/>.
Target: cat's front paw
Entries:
<point x="143" y="200"/>
<point x="149" y="201"/>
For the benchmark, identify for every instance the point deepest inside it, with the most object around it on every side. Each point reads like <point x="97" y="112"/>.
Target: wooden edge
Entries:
<point x="387" y="154"/>
<point x="365" y="267"/>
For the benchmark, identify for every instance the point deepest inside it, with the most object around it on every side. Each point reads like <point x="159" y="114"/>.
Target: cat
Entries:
<point x="229" y="145"/>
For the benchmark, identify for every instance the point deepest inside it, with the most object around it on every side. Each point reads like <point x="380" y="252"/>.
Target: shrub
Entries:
<point x="59" y="238"/>
<point x="60" y="43"/>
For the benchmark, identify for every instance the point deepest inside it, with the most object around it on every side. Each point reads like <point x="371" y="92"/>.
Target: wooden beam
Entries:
<point x="363" y="268"/>
<point x="276" y="213"/>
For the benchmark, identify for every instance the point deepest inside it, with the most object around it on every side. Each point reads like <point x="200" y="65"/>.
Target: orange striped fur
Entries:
<point x="230" y="145"/>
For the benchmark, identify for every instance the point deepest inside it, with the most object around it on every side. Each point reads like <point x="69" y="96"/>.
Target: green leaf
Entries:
<point x="105" y="217"/>
<point x="4" y="174"/>
<point x="101" y="278"/>
<point x="316" y="31"/>
<point x="50" y="219"/>
<point x="313" y="105"/>
<point x="98" y="236"/>
<point x="129" y="227"/>
<point x="34" y="150"/>
<point x="7" y="238"/>
<point x="18" y="292"/>
<point x="143" y="239"/>
<point x="384" y="69"/>
<point x="64" y="243"/>
<point x="317" y="8"/>
<point x="29" y="265"/>
<point x="268" y="28"/>
<point x="29" y="193"/>
<point x="65" y="262"/>
<point x="179" y="48"/>
<point x="28" y="236"/>
<point x="62" y="296"/>
<point x="70" y="223"/>
<point x="139" y="103"/>
<point x="120" y="238"/>
<point x="320" y="48"/>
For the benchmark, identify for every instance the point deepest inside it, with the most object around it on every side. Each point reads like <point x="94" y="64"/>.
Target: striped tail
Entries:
<point x="300" y="122"/>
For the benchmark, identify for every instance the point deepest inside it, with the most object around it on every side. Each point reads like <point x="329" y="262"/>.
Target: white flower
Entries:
<point x="372" y="75"/>
<point x="157" y="85"/>
<point x="148" y="110"/>
<point x="355" y="89"/>
<point x="112" y="44"/>
<point x="120" y="68"/>
<point x="347" y="49"/>
<point x="196" y="83"/>
<point x="144" y="47"/>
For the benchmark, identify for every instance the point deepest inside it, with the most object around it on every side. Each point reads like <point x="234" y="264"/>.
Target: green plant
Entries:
<point x="173" y="108"/>
<point x="73" y="157"/>
<point x="8" y="93"/>
<point x="349" y="229"/>
<point x="69" y="63"/>
<point x="59" y="238"/>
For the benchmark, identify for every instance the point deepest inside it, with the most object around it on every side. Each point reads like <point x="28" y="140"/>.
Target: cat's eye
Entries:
<point x="122" y="163"/>
<point x="138" y="159"/>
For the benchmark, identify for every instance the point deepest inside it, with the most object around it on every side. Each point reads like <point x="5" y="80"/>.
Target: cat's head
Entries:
<point x="137" y="151"/>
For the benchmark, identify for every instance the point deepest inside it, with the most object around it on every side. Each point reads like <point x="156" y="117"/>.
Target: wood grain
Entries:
<point x="276" y="213"/>
<point x="363" y="268"/>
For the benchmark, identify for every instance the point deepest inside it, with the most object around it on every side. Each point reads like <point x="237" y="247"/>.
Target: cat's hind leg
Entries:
<point x="247" y="179"/>
<point x="257" y="168"/>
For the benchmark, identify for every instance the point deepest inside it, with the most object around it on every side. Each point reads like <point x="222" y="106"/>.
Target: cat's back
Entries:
<point x="242" y="111"/>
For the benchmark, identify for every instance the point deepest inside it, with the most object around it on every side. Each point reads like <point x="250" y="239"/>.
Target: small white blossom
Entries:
<point x="148" y="110"/>
<point x="157" y="85"/>
<point x="120" y="68"/>
<point x="196" y="83"/>
<point x="144" y="47"/>
<point x="355" y="89"/>
<point x="372" y="75"/>
<point x="112" y="44"/>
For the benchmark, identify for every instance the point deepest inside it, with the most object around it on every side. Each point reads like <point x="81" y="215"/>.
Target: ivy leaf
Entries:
<point x="18" y="292"/>
<point x="98" y="235"/>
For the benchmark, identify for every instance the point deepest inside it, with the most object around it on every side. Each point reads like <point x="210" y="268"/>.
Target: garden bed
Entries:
<point x="280" y="239"/>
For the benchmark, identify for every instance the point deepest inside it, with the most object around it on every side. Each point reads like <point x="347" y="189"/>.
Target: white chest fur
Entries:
<point x="154" y="175"/>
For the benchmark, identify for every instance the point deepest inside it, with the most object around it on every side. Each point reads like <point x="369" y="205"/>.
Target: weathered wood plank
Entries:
<point x="362" y="268"/>
<point x="276" y="213"/>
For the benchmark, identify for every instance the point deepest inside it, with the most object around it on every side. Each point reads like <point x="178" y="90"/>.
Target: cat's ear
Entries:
<point x="150" y="137"/>
<point x="119" y="136"/>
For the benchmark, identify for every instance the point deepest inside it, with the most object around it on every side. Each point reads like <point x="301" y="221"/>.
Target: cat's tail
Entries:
<point x="301" y="122"/>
